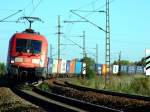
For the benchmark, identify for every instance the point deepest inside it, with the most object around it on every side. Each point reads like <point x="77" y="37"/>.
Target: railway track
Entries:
<point x="54" y="102"/>
<point x="121" y="101"/>
<point x="82" y="88"/>
<point x="77" y="103"/>
<point x="58" y="103"/>
<point x="46" y="103"/>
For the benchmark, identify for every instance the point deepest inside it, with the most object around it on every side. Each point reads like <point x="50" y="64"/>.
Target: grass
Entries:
<point x="44" y="86"/>
<point x="132" y="84"/>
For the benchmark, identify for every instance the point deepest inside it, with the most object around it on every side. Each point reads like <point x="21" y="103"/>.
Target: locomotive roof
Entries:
<point x="31" y="31"/>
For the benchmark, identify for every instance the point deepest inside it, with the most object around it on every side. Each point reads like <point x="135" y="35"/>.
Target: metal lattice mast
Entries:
<point x="107" y="44"/>
<point x="58" y="32"/>
<point x="84" y="52"/>
<point x="51" y="50"/>
<point x="96" y="54"/>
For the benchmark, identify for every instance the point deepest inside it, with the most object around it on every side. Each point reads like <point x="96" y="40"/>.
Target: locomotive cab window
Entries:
<point x="28" y="46"/>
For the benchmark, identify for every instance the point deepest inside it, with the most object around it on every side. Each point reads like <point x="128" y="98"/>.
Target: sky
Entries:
<point x="129" y="26"/>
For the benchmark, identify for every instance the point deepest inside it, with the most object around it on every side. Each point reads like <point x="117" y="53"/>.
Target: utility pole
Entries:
<point x="59" y="33"/>
<point x="51" y="51"/>
<point x="107" y="44"/>
<point x="119" y="59"/>
<point x="96" y="54"/>
<point x="96" y="58"/>
<point x="107" y="34"/>
<point x="84" y="52"/>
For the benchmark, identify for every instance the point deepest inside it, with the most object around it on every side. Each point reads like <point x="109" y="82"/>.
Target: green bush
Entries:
<point x="90" y="72"/>
<point x="44" y="86"/>
<point x="2" y="69"/>
<point x="140" y="85"/>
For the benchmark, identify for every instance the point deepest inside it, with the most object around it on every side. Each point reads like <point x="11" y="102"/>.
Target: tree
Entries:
<point x="142" y="62"/>
<point x="122" y="62"/>
<point x="2" y="69"/>
<point x="90" y="72"/>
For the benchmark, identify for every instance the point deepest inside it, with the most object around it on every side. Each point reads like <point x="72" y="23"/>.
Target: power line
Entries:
<point x="86" y="20"/>
<point x="73" y="42"/>
<point x="93" y="2"/>
<point x="10" y="15"/>
<point x="84" y="53"/>
<point x="27" y="5"/>
<point x="13" y="21"/>
<point x="34" y="8"/>
<point x="96" y="10"/>
<point x="107" y="35"/>
<point x="89" y="10"/>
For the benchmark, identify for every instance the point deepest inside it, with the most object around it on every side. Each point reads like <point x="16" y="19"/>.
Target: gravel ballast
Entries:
<point x="10" y="102"/>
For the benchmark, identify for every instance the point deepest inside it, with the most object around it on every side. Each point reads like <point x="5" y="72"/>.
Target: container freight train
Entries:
<point x="66" y="68"/>
<point x="27" y="55"/>
<point x="124" y="69"/>
<point x="69" y="68"/>
<point x="128" y="69"/>
<point x="75" y="67"/>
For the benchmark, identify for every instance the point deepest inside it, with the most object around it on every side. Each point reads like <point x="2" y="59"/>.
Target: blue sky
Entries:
<point x="129" y="26"/>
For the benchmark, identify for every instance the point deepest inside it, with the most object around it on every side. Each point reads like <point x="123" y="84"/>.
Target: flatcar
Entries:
<point x="27" y="55"/>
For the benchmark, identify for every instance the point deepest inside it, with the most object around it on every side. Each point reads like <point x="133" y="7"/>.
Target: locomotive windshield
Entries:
<point x="28" y="46"/>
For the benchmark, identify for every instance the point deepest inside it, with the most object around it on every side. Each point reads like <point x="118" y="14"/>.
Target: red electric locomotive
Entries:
<point x="27" y="54"/>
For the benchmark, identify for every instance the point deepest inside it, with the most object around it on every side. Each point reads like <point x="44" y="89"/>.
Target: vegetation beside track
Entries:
<point x="2" y="69"/>
<point x="131" y="84"/>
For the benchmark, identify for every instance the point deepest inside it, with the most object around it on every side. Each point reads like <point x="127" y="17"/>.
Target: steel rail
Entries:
<point x="77" y="103"/>
<point x="46" y="103"/>
<point x="82" y="88"/>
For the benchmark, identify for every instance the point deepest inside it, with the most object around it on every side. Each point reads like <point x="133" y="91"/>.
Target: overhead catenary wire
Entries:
<point x="10" y="15"/>
<point x="35" y="7"/>
<point x="18" y="11"/>
<point x="93" y="2"/>
<point x="73" y="42"/>
<point x="87" y="20"/>
<point x="107" y="30"/>
<point x="13" y="21"/>
<point x="27" y="5"/>
<point x="91" y="12"/>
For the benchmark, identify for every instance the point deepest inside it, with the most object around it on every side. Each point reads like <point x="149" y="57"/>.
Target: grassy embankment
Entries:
<point x="132" y="84"/>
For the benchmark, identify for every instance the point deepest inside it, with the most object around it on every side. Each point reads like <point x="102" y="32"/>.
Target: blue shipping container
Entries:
<point x="78" y="67"/>
<point x="68" y="66"/>
<point x="140" y="69"/>
<point x="124" y="68"/>
<point x="131" y="69"/>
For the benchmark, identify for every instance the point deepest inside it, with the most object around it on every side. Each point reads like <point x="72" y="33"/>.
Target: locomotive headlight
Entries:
<point x="36" y="61"/>
<point x="12" y="61"/>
